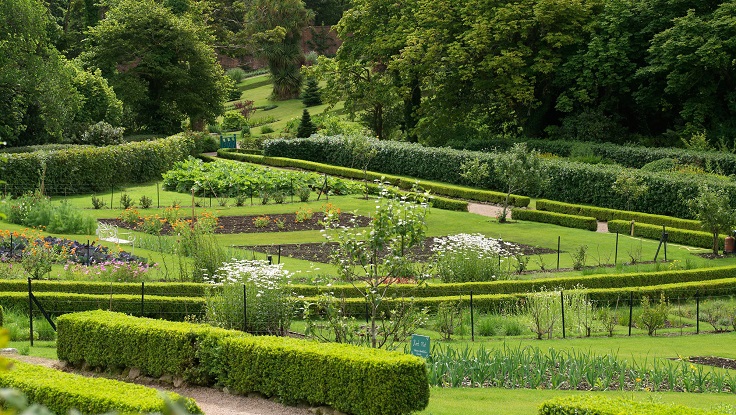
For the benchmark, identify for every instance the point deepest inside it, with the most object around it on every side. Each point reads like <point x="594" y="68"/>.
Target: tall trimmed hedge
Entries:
<point x="60" y="392"/>
<point x="616" y="214"/>
<point x="352" y="379"/>
<point x="570" y="182"/>
<point x="679" y="236"/>
<point x="600" y="405"/>
<point x="93" y="169"/>
<point x="561" y="219"/>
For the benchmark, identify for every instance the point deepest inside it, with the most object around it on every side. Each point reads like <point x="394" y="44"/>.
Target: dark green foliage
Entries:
<point x="569" y="221"/>
<point x="102" y="134"/>
<point x="351" y="379"/>
<point x="94" y="170"/>
<point x="601" y="405"/>
<point x="402" y="182"/>
<point x="699" y="239"/>
<point x="167" y="289"/>
<point x="61" y="392"/>
<point x="604" y="214"/>
<point x="311" y="95"/>
<point x="306" y="126"/>
<point x="665" y="164"/>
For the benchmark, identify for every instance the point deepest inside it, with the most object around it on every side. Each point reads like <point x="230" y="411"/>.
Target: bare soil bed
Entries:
<point x="284" y="222"/>
<point x="321" y="251"/>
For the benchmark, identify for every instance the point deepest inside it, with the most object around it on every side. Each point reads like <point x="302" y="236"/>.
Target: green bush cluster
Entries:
<point x="162" y="289"/>
<point x="561" y="219"/>
<point x="625" y="155"/>
<point x="436" y="188"/>
<point x="679" y="236"/>
<point x="571" y="182"/>
<point x="601" y="405"/>
<point x="357" y="380"/>
<point x="60" y="392"/>
<point x="168" y="308"/>
<point x="615" y="214"/>
<point x="93" y="169"/>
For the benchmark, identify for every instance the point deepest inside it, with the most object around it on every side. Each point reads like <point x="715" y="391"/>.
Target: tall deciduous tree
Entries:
<point x="277" y="26"/>
<point x="161" y="65"/>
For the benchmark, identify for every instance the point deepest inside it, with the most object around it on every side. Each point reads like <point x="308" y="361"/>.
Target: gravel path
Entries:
<point x="495" y="211"/>
<point x="212" y="401"/>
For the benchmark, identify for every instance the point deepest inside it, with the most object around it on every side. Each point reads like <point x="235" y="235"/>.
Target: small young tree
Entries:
<point x="371" y="259"/>
<point x="519" y="169"/>
<point x="712" y="208"/>
<point x="362" y="151"/>
<point x="306" y="126"/>
<point x="312" y="95"/>
<point x="629" y="187"/>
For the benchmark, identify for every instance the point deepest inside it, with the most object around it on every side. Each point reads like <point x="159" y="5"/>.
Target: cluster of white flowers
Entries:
<point x="476" y="244"/>
<point x="262" y="274"/>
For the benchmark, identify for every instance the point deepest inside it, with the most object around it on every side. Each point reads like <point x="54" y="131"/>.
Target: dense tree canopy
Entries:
<point x="160" y="64"/>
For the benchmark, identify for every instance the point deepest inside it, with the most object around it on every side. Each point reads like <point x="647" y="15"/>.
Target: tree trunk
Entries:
<point x="715" y="243"/>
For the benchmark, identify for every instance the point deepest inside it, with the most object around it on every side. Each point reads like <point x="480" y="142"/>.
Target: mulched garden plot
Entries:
<point x="721" y="362"/>
<point x="246" y="224"/>
<point x="320" y="251"/>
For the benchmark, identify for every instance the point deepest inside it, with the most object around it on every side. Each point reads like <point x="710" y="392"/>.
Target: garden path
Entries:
<point x="212" y="401"/>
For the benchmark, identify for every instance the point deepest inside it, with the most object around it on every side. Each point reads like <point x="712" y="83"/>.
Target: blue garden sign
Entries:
<point x="420" y="345"/>
<point x="228" y="141"/>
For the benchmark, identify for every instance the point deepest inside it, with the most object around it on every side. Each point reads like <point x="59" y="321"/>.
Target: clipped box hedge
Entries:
<point x="94" y="169"/>
<point x="561" y="219"/>
<point x="601" y="405"/>
<point x="615" y="214"/>
<point x="163" y="289"/>
<point x="61" y="392"/>
<point x="438" y="188"/>
<point x="168" y="308"/>
<point x="353" y="379"/>
<point x="679" y="236"/>
<point x="571" y="182"/>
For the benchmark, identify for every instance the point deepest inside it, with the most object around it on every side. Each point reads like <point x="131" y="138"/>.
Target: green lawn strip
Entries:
<point x="40" y="348"/>
<point x="484" y="401"/>
<point x="61" y="391"/>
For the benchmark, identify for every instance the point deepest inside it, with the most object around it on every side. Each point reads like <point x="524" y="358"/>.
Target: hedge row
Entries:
<point x="679" y="236"/>
<point x="436" y="201"/>
<point x="568" y="221"/>
<point x="599" y="405"/>
<point x="615" y="214"/>
<point x="437" y="188"/>
<point x="163" y="289"/>
<point x="598" y="281"/>
<point x="351" y="379"/>
<point x="625" y="155"/>
<point x="94" y="169"/>
<point x="484" y="303"/>
<point x="168" y="308"/>
<point x="571" y="182"/>
<point x="60" y="392"/>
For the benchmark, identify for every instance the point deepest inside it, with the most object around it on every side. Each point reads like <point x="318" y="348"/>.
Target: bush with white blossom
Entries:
<point x="471" y="257"/>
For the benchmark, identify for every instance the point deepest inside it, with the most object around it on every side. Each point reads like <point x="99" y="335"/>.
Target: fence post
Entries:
<point x="562" y="305"/>
<point x="472" y="321"/>
<point x="143" y="294"/>
<point x="279" y="261"/>
<point x="245" y="308"/>
<point x="30" y="309"/>
<point x="112" y="194"/>
<point x="89" y="258"/>
<point x="615" y="256"/>
<point x="11" y="245"/>
<point x="158" y="196"/>
<point x="270" y="259"/>
<point x="558" y="252"/>
<point x="631" y="310"/>
<point x="697" y="313"/>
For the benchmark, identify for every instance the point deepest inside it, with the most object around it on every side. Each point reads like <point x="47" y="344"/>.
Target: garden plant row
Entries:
<point x="351" y="379"/>
<point x="437" y="188"/>
<point x="61" y="392"/>
<point x="569" y="181"/>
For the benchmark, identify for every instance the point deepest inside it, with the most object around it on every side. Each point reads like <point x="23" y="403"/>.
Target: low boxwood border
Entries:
<point x="163" y="289"/>
<point x="600" y="405"/>
<point x="679" y="236"/>
<point x="568" y="221"/>
<point x="61" y="392"/>
<point x="353" y="379"/>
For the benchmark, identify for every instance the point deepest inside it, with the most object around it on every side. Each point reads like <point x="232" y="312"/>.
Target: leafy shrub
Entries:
<point x="98" y="202"/>
<point x="233" y="120"/>
<point x="464" y="258"/>
<point x="266" y="129"/>
<point x="36" y="211"/>
<point x="653" y="316"/>
<point x="102" y="134"/>
<point x="126" y="201"/>
<point x="662" y="165"/>
<point x="569" y="221"/>
<point x="146" y="202"/>
<point x="236" y="74"/>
